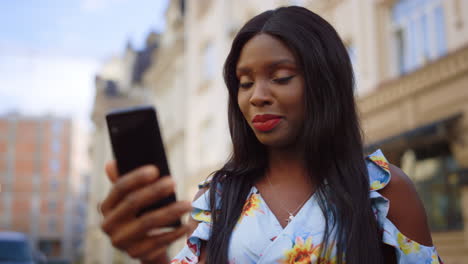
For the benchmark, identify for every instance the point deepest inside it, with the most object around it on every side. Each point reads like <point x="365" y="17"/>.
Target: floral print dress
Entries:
<point x="259" y="238"/>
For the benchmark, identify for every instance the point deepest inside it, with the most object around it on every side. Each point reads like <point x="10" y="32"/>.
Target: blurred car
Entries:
<point x="15" y="248"/>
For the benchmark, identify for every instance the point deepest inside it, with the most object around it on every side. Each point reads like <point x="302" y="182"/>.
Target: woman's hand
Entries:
<point x="129" y="194"/>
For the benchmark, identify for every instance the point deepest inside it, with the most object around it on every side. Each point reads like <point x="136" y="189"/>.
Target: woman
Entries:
<point x="296" y="188"/>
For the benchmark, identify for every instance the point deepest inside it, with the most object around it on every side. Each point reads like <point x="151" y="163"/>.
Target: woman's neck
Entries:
<point x="287" y="167"/>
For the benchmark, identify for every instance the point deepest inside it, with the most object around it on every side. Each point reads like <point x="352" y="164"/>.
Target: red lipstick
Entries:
<point x="266" y="122"/>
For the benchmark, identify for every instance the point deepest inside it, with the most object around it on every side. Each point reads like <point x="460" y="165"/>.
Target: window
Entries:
<point x="50" y="247"/>
<point x="55" y="145"/>
<point x="5" y="219"/>
<point x="57" y="127"/>
<point x="51" y="206"/>
<point x="353" y="57"/>
<point x="52" y="225"/>
<point x="440" y="30"/>
<point x="36" y="179"/>
<point x="400" y="48"/>
<point x="111" y="88"/>
<point x="54" y="165"/>
<point x="436" y="176"/>
<point x="209" y="67"/>
<point x="418" y="30"/>
<point x="54" y="184"/>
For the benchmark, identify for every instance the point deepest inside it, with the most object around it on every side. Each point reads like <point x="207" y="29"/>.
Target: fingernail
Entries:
<point x="168" y="182"/>
<point x="149" y="172"/>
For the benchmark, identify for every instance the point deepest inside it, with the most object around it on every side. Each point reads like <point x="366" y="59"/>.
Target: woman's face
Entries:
<point x="271" y="91"/>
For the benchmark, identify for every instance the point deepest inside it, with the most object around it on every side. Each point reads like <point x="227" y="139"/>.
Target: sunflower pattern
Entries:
<point x="259" y="238"/>
<point x="252" y="205"/>
<point x="202" y="216"/>
<point x="407" y="245"/>
<point x="381" y="161"/>
<point x="377" y="185"/>
<point x="302" y="252"/>
<point x="184" y="261"/>
<point x="435" y="259"/>
<point x="379" y="171"/>
<point x="306" y="252"/>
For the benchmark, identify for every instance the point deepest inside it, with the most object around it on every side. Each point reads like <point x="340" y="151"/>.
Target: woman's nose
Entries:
<point x="261" y="94"/>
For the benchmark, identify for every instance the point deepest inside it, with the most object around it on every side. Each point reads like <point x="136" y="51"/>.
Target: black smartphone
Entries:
<point x="136" y="141"/>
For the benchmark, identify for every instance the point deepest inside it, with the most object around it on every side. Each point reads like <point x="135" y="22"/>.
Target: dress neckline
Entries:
<point x="277" y="221"/>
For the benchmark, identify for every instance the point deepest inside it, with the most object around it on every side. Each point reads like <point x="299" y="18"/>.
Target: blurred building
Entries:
<point x="80" y="182"/>
<point x="411" y="64"/>
<point x="40" y="179"/>
<point x="165" y="78"/>
<point x="118" y="85"/>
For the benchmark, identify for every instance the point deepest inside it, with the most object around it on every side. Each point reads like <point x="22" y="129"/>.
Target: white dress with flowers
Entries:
<point x="259" y="238"/>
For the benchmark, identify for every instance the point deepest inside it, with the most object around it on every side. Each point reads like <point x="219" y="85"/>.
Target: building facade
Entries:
<point x="118" y="85"/>
<point x="165" y="78"/>
<point x="416" y="106"/>
<point x="39" y="195"/>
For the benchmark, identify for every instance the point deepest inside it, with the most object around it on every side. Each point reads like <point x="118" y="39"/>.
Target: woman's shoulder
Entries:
<point x="404" y="208"/>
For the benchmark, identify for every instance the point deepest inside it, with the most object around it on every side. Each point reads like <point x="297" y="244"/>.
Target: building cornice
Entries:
<point x="446" y="68"/>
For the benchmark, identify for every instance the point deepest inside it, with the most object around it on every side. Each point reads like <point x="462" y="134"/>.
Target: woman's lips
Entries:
<point x="266" y="123"/>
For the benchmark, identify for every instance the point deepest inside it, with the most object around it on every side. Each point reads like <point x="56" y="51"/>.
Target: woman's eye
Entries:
<point x="284" y="80"/>
<point x="246" y="85"/>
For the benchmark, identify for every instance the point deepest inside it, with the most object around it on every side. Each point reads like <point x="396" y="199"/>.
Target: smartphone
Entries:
<point x="136" y="141"/>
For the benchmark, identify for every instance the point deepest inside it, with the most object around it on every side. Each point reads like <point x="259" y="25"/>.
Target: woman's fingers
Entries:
<point x="152" y="220"/>
<point x="145" y="248"/>
<point x="131" y="193"/>
<point x="137" y="200"/>
<point x="128" y="183"/>
<point x="111" y="171"/>
<point x="155" y="255"/>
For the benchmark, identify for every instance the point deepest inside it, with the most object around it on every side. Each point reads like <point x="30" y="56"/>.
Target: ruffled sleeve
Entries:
<point x="407" y="251"/>
<point x="201" y="213"/>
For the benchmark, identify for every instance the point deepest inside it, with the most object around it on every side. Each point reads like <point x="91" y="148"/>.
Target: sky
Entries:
<point x="50" y="50"/>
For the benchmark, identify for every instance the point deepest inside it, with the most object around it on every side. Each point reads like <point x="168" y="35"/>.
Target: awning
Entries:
<point x="431" y="132"/>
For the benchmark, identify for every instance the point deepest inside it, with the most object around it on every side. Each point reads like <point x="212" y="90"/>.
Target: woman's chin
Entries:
<point x="274" y="141"/>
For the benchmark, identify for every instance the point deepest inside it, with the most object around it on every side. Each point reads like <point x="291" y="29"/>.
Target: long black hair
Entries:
<point x="332" y="139"/>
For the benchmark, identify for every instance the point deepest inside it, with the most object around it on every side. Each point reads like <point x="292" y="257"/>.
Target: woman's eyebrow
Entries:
<point x="281" y="63"/>
<point x="243" y="70"/>
<point x="270" y="66"/>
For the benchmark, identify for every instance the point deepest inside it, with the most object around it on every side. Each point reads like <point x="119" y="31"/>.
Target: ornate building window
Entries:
<point x="418" y="30"/>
